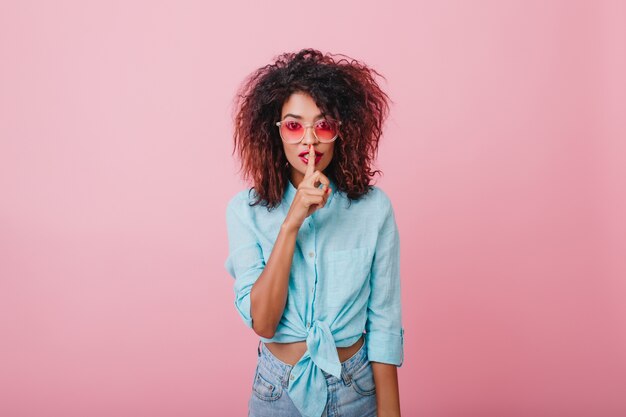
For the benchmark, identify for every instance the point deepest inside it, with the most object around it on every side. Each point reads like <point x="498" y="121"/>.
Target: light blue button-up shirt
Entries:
<point x="345" y="278"/>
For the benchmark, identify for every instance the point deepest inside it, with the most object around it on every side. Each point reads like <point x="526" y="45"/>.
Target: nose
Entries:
<point x="309" y="136"/>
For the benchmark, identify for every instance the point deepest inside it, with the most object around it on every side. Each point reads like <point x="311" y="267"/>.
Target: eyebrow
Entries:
<point x="300" y="117"/>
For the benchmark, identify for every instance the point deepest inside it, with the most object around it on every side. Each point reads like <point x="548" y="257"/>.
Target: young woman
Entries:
<point x="313" y="247"/>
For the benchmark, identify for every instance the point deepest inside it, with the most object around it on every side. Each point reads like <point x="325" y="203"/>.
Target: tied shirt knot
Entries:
<point x="307" y="379"/>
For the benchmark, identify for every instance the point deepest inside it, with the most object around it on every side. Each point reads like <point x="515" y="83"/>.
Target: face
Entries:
<point x="301" y="107"/>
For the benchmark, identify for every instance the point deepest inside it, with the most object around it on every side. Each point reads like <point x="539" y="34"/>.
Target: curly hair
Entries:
<point x="341" y="87"/>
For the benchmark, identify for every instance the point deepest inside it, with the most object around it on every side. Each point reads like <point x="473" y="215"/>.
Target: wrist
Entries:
<point x="290" y="226"/>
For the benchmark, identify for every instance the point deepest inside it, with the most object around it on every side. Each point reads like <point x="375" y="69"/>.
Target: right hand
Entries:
<point x="309" y="197"/>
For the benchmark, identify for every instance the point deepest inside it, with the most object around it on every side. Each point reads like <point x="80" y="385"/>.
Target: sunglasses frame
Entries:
<point x="306" y="126"/>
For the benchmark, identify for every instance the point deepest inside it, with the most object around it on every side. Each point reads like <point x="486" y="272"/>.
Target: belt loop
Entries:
<point x="346" y="376"/>
<point x="284" y="378"/>
<point x="259" y="347"/>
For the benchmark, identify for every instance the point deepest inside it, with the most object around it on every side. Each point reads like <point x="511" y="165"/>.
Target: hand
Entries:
<point x="309" y="197"/>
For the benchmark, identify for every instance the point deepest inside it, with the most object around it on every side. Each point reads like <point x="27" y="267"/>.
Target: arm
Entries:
<point x="385" y="335"/>
<point x="387" y="393"/>
<point x="269" y="293"/>
<point x="260" y="288"/>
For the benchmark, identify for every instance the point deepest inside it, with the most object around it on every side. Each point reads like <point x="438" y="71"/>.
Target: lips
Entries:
<point x="305" y="159"/>
<point x="306" y="154"/>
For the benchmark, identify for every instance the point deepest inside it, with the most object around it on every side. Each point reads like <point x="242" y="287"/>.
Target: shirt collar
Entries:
<point x="290" y="192"/>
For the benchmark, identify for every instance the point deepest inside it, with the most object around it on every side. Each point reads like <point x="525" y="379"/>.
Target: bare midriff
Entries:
<point x="290" y="353"/>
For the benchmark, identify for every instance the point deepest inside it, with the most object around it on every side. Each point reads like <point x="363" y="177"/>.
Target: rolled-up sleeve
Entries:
<point x="245" y="260"/>
<point x="384" y="331"/>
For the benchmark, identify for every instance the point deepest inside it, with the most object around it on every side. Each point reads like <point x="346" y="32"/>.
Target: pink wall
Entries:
<point x="504" y="157"/>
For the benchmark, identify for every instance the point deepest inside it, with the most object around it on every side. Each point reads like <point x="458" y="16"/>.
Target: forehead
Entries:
<point x="303" y="105"/>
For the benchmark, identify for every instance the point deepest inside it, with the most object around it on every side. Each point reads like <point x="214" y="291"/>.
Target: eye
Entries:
<point x="323" y="125"/>
<point x="292" y="125"/>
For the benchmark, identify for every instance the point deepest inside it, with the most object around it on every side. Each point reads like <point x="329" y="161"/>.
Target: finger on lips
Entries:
<point x="315" y="178"/>
<point x="311" y="164"/>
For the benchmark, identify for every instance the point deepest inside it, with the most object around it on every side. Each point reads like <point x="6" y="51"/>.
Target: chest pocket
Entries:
<point x="347" y="272"/>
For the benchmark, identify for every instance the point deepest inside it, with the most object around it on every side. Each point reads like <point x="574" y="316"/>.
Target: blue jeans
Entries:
<point x="352" y="395"/>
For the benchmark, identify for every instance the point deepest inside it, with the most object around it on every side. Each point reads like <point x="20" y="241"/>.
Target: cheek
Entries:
<point x="290" y="155"/>
<point x="331" y="154"/>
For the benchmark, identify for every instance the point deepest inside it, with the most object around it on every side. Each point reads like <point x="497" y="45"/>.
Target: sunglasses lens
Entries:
<point x="326" y="130"/>
<point x="291" y="131"/>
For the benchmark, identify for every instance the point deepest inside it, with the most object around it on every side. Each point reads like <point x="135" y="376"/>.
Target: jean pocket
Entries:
<point x="264" y="389"/>
<point x="363" y="380"/>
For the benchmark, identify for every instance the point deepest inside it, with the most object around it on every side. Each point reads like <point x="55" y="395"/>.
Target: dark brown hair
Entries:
<point x="343" y="88"/>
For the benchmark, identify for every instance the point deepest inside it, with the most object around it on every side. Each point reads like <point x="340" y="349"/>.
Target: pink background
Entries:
<point x="504" y="157"/>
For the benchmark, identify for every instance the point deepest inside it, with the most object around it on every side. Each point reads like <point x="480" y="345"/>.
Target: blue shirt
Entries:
<point x="344" y="279"/>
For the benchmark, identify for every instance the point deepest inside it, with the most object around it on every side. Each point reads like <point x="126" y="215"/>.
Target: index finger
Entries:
<point x="310" y="168"/>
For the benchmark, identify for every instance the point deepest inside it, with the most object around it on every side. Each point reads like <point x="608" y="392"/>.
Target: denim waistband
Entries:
<point x="282" y="370"/>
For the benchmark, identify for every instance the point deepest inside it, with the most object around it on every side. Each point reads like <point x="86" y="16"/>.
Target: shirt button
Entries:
<point x="291" y="377"/>
<point x="308" y="324"/>
<point x="311" y="254"/>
